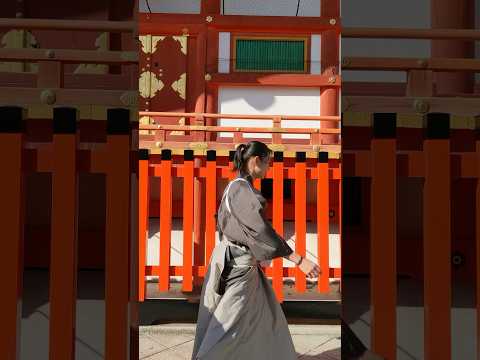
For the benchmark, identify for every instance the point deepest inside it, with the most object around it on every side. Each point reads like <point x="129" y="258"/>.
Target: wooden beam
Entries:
<point x="289" y="24"/>
<point x="266" y="130"/>
<point x="262" y="79"/>
<point x="385" y="33"/>
<point x="72" y="81"/>
<point x="240" y="116"/>
<point x="403" y="64"/>
<point x="73" y="97"/>
<point x="69" y="56"/>
<point x="69" y="25"/>
<point x="410" y="105"/>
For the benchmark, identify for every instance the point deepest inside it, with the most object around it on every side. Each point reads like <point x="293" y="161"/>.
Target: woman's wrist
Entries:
<point x="295" y="258"/>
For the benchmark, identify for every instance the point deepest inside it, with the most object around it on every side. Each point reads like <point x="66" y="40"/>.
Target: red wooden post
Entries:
<point x="477" y="233"/>
<point x="63" y="249"/>
<point x="329" y="67"/>
<point x="198" y="222"/>
<point x="165" y="220"/>
<point x="211" y="203"/>
<point x="436" y="242"/>
<point x="383" y="286"/>
<point x="188" y="169"/>
<point x="117" y="239"/>
<point x="300" y="217"/>
<point x="340" y="215"/>
<point x="323" y="229"/>
<point x="277" y="123"/>
<point x="257" y="183"/>
<point x="277" y="277"/>
<point x="12" y="224"/>
<point x="143" y="205"/>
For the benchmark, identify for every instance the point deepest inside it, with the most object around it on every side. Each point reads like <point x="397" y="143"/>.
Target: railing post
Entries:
<point x="436" y="237"/>
<point x="477" y="231"/>
<point x="63" y="258"/>
<point x="277" y="124"/>
<point x="300" y="217"/>
<point x="188" y="175"/>
<point x="12" y="225"/>
<point x="323" y="222"/>
<point x="211" y="203"/>
<point x="277" y="277"/>
<point x="383" y="283"/>
<point x="143" y="219"/>
<point x="165" y="219"/>
<point x="117" y="237"/>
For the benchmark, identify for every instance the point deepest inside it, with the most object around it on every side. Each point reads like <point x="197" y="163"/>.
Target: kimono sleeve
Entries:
<point x="262" y="239"/>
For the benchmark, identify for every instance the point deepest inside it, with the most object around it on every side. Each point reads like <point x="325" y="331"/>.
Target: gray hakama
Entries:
<point x="239" y="316"/>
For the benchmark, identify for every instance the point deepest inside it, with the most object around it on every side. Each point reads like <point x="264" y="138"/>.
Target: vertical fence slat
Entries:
<point x="257" y="183"/>
<point x="436" y="243"/>
<point x="277" y="277"/>
<point x="198" y="222"/>
<point x="117" y="237"/>
<point x="477" y="242"/>
<point x="300" y="217"/>
<point x="187" y="283"/>
<point x="165" y="220"/>
<point x="211" y="203"/>
<point x="63" y="258"/>
<point x="11" y="223"/>
<point x="383" y="281"/>
<point x="323" y="229"/>
<point x="340" y="216"/>
<point x="143" y="205"/>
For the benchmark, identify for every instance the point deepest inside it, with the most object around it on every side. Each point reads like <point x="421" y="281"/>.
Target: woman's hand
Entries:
<point x="309" y="268"/>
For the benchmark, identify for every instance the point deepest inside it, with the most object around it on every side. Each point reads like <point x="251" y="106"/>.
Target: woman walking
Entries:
<point x="239" y="316"/>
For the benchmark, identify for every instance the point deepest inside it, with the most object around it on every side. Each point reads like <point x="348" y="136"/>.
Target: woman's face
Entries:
<point x="261" y="166"/>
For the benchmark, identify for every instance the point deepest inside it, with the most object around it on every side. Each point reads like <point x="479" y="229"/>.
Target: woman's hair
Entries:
<point x="246" y="151"/>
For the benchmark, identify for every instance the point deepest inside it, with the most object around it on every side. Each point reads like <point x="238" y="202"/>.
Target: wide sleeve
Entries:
<point x="261" y="238"/>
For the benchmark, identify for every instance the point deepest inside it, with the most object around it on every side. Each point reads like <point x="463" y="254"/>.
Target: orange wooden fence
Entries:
<point x="166" y="168"/>
<point x="439" y="166"/>
<point x="65" y="157"/>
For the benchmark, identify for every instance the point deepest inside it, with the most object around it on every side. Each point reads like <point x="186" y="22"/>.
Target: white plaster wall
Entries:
<point x="272" y="101"/>
<point x="171" y="6"/>
<point x="389" y="14"/>
<point x="237" y="7"/>
<point x="271" y="7"/>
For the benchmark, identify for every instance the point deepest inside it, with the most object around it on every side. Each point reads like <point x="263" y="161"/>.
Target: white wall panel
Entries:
<point x="171" y="6"/>
<point x="269" y="100"/>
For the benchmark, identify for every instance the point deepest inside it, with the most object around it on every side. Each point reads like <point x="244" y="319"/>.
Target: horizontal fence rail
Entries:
<point x="384" y="159"/>
<point x="65" y="159"/>
<point x="212" y="170"/>
<point x="50" y="85"/>
<point x="68" y="25"/>
<point x="157" y="133"/>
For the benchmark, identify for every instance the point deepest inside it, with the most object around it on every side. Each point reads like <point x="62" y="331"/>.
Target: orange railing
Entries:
<point x="321" y="171"/>
<point x="66" y="157"/>
<point x="161" y="125"/>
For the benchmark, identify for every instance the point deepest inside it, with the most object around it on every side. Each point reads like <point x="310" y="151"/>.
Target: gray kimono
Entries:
<point x="239" y="316"/>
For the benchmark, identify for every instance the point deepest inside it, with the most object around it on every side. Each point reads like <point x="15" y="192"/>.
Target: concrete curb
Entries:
<point x="189" y="329"/>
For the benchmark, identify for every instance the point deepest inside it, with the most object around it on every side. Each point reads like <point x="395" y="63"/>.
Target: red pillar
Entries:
<point x="453" y="14"/>
<point x="330" y="64"/>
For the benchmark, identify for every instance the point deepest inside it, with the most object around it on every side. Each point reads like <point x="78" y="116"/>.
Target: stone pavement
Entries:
<point x="175" y="341"/>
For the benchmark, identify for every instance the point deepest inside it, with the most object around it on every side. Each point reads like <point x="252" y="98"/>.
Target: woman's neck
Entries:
<point x="246" y="175"/>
